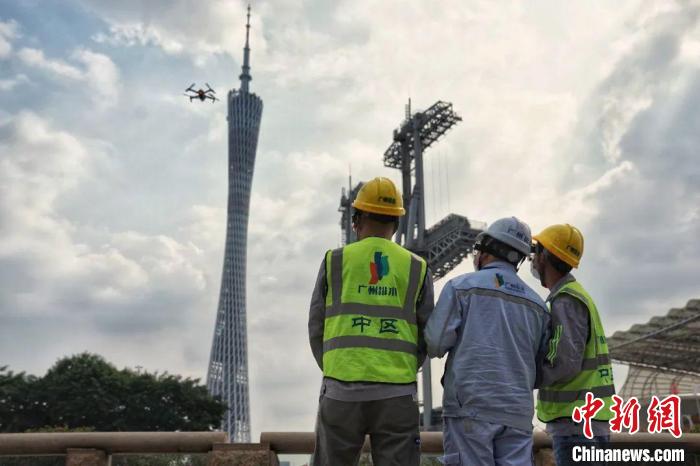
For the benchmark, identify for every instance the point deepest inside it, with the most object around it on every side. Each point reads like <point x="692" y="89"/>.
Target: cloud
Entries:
<point x="137" y="34"/>
<point x="8" y="32"/>
<point x="101" y="74"/>
<point x="102" y="284"/>
<point x="584" y="203"/>
<point x="98" y="71"/>
<point x="179" y="28"/>
<point x="35" y="58"/>
<point x="642" y="213"/>
<point x="10" y="84"/>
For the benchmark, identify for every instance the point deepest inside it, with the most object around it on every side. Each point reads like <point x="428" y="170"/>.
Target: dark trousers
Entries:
<point x="392" y="426"/>
<point x="563" y="445"/>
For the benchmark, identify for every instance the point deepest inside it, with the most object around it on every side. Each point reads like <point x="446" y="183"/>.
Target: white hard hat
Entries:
<point x="512" y="232"/>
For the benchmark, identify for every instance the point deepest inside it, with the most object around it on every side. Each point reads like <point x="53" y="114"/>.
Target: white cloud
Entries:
<point x="584" y="203"/>
<point x="8" y="32"/>
<point x="10" y="84"/>
<point x="98" y="71"/>
<point x="35" y="57"/>
<point x="47" y="163"/>
<point x="137" y="34"/>
<point x="101" y="74"/>
<point x="179" y="28"/>
<point x="103" y="284"/>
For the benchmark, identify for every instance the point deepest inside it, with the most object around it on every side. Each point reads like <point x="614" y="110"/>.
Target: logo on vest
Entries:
<point x="379" y="268"/>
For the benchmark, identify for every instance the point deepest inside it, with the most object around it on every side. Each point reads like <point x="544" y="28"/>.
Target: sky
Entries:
<point x="113" y="185"/>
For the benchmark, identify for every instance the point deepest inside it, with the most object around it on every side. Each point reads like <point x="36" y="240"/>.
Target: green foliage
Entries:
<point x="49" y="429"/>
<point x="18" y="403"/>
<point x="86" y="392"/>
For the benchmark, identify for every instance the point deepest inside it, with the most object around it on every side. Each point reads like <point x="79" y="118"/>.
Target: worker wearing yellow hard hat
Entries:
<point x="380" y="197"/>
<point x="368" y="309"/>
<point x="578" y="360"/>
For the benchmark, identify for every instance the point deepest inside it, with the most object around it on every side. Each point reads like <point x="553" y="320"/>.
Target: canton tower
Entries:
<point x="227" y="377"/>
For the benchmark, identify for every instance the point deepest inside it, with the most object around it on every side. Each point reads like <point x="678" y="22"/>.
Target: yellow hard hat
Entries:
<point x="380" y="196"/>
<point x="564" y="241"/>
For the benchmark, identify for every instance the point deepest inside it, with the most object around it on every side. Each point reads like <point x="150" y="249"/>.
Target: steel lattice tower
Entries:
<point x="227" y="376"/>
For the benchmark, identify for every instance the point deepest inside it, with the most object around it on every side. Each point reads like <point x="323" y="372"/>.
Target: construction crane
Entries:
<point x="445" y="244"/>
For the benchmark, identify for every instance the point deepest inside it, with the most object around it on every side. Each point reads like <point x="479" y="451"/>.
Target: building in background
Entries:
<point x="227" y="376"/>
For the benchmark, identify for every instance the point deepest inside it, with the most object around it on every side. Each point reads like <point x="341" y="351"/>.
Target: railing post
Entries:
<point x="87" y="457"/>
<point x="242" y="454"/>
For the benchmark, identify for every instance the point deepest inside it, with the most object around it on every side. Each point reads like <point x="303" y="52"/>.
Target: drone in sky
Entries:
<point x="201" y="94"/>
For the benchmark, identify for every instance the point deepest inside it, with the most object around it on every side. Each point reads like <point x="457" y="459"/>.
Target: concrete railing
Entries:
<point x="431" y="442"/>
<point x="96" y="448"/>
<point x="112" y="442"/>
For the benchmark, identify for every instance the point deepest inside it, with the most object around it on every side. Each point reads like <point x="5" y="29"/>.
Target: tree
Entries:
<point x="17" y="401"/>
<point x="85" y="391"/>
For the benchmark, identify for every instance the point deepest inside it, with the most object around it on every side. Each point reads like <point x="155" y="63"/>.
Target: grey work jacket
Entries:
<point x="496" y="330"/>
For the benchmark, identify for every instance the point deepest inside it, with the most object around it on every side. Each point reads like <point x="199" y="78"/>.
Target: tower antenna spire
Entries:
<point x="245" y="75"/>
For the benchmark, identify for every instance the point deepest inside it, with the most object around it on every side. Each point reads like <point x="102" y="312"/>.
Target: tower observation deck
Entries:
<point x="227" y="376"/>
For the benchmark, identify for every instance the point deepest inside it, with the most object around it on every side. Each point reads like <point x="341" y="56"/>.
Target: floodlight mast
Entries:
<point x="416" y="134"/>
<point x="445" y="244"/>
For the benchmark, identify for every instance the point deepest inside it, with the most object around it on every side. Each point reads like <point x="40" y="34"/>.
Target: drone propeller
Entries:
<point x="190" y="88"/>
<point x="209" y="87"/>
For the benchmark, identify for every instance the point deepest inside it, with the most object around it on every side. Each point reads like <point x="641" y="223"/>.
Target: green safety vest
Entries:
<point x="560" y="399"/>
<point x="370" y="332"/>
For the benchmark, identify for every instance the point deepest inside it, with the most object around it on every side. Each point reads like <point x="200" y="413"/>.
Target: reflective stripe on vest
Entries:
<point x="569" y="396"/>
<point x="354" y="341"/>
<point x="559" y="400"/>
<point x="370" y="331"/>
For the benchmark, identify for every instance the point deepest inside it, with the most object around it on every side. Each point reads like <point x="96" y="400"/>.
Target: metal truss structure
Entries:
<point x="449" y="241"/>
<point x="663" y="354"/>
<point x="426" y="127"/>
<point x="345" y="208"/>
<point x="227" y="377"/>
<point x="416" y="134"/>
<point x="443" y="245"/>
<point x="643" y="382"/>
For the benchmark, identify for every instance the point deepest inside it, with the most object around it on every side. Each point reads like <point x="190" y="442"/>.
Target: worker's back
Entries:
<point x="370" y="332"/>
<point x="491" y="370"/>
